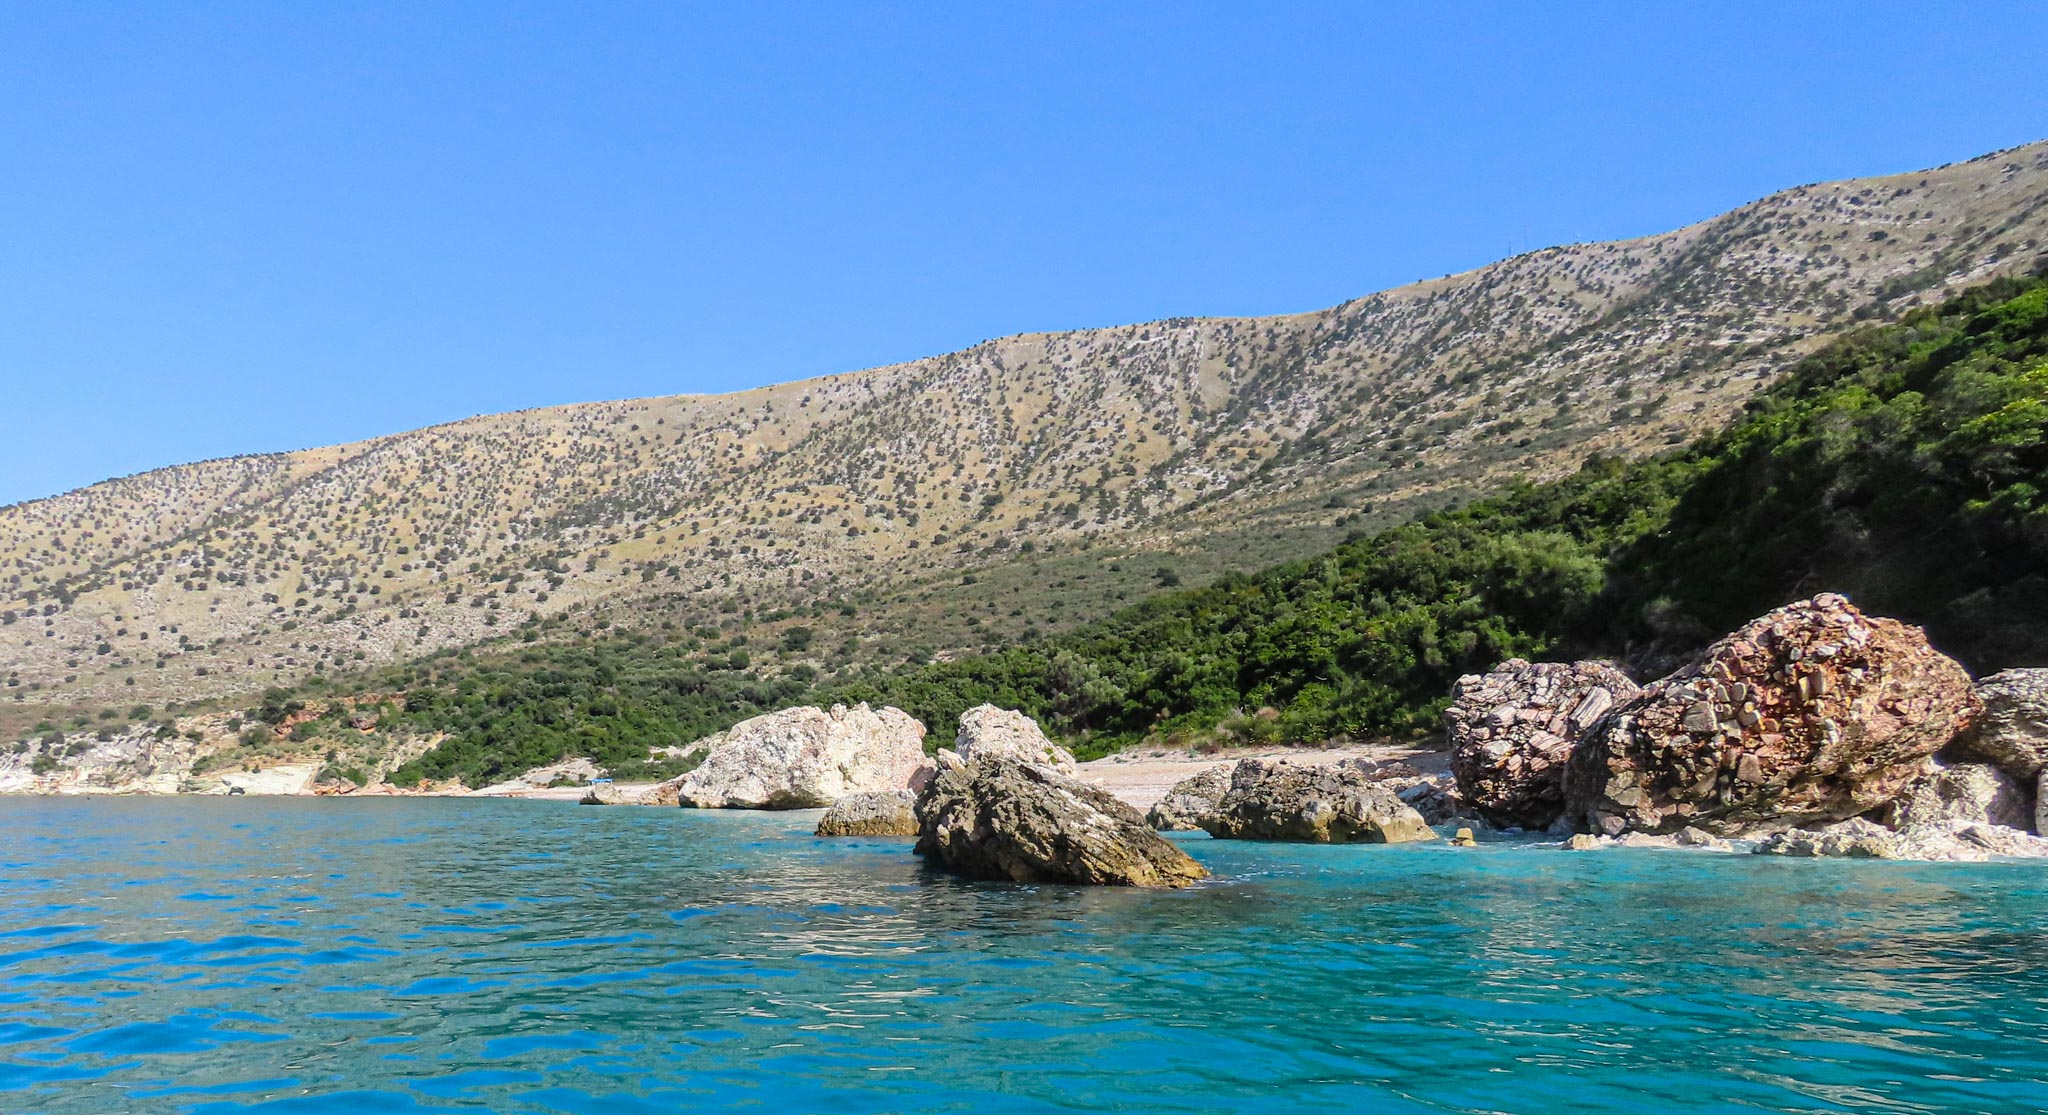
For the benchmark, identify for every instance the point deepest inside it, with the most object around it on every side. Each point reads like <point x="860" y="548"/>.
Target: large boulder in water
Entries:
<point x="1191" y="799"/>
<point x="1512" y="730"/>
<point x="1000" y="818"/>
<point x="873" y="814"/>
<point x="1333" y="804"/>
<point x="2012" y="733"/>
<point x="805" y="758"/>
<point x="1813" y="713"/>
<point x="988" y="732"/>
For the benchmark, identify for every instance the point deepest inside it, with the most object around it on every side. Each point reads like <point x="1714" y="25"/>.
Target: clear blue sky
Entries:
<point x="230" y="228"/>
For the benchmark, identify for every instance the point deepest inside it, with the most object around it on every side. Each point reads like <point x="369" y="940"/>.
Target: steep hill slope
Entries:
<point x="1223" y="439"/>
<point x="1901" y="464"/>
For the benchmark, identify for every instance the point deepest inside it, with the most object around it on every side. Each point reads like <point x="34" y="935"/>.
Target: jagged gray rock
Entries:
<point x="1511" y="731"/>
<point x="1334" y="804"/>
<point x="870" y="814"/>
<point x="1000" y="818"/>
<point x="989" y="732"/>
<point x="1941" y="841"/>
<point x="2012" y="732"/>
<point x="1435" y="797"/>
<point x="1975" y="793"/>
<point x="1191" y="799"/>
<point x="806" y="758"/>
<point x="1858" y="837"/>
<point x="1812" y="713"/>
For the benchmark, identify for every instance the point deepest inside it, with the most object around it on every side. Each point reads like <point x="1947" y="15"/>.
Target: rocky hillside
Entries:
<point x="1190" y="435"/>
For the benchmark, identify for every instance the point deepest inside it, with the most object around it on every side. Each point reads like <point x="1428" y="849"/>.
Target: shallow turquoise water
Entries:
<point x="227" y="955"/>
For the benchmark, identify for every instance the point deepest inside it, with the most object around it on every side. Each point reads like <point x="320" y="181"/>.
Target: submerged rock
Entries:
<point x="1813" y="713"/>
<point x="1191" y="799"/>
<point x="1278" y="800"/>
<point x="2012" y="732"/>
<point x="1001" y="818"/>
<point x="870" y="814"/>
<point x="1511" y="731"/>
<point x="988" y="732"/>
<point x="805" y="758"/>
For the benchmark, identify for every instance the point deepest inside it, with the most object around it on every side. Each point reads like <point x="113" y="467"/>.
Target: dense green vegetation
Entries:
<point x="613" y="700"/>
<point x="1905" y="465"/>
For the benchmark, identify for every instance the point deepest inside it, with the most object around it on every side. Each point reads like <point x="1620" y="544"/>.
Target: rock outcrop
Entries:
<point x="2012" y="733"/>
<point x="988" y="732"/>
<point x="1689" y="839"/>
<point x="1942" y="841"/>
<point x="1810" y="714"/>
<point x="1190" y="799"/>
<point x="1000" y="818"/>
<point x="870" y="814"/>
<point x="1972" y="793"/>
<point x="608" y="793"/>
<point x="1512" y="730"/>
<point x="1858" y="837"/>
<point x="806" y="758"/>
<point x="1336" y="804"/>
<point x="1435" y="797"/>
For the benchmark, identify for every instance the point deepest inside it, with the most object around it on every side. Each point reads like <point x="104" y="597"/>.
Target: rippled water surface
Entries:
<point x="223" y="955"/>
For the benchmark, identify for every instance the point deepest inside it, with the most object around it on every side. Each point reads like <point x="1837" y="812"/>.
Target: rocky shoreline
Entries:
<point x="1812" y="731"/>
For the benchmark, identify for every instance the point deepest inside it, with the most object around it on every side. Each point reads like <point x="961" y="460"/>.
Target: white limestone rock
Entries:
<point x="808" y="758"/>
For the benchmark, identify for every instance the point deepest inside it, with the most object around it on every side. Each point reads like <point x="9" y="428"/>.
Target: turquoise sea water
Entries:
<point x="229" y="955"/>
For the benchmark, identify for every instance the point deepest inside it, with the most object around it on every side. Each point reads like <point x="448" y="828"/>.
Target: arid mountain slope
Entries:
<point x="231" y="575"/>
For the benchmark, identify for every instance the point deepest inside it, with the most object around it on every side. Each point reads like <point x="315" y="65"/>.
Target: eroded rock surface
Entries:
<point x="1000" y="818"/>
<point x="871" y="814"/>
<point x="2012" y="732"/>
<point x="1975" y="793"/>
<point x="806" y="758"/>
<point x="1858" y="837"/>
<point x="988" y="732"/>
<point x="1943" y="841"/>
<point x="1512" y="730"/>
<point x="1337" y="804"/>
<point x="1810" y="714"/>
<point x="1190" y="799"/>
